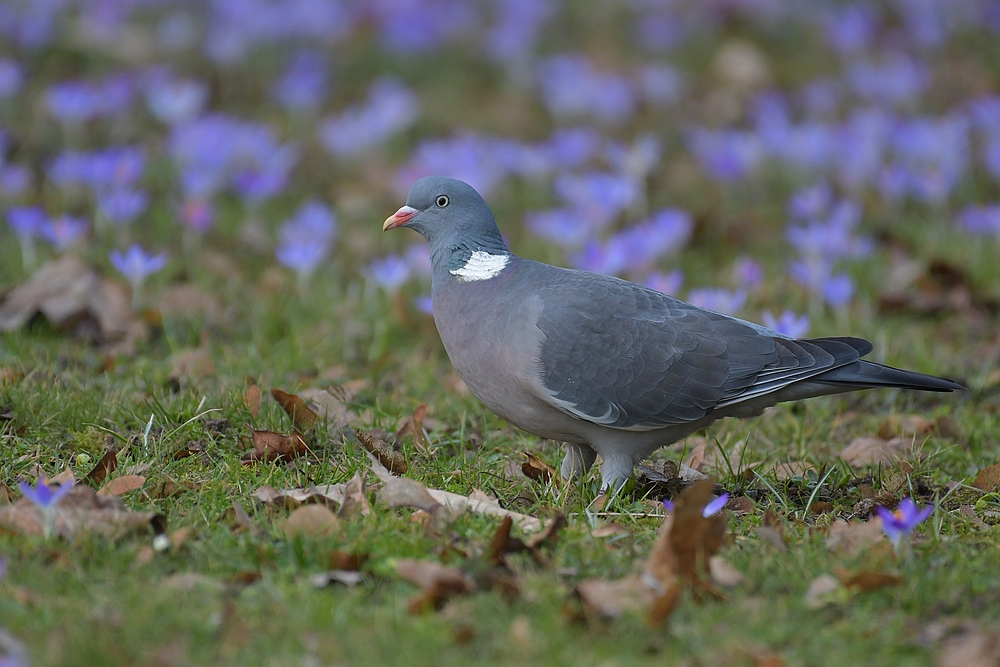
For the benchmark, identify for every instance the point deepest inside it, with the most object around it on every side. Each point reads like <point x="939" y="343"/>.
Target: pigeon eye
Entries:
<point x="442" y="201"/>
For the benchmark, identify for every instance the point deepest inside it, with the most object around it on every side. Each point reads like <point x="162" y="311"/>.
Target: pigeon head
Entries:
<point x="451" y="215"/>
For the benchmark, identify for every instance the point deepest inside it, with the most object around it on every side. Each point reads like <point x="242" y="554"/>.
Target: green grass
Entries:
<point x="86" y="602"/>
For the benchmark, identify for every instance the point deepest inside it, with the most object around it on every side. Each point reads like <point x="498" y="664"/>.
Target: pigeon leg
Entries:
<point x="615" y="471"/>
<point x="577" y="461"/>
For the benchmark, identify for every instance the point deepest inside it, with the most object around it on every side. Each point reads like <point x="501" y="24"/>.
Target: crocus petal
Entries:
<point x="716" y="505"/>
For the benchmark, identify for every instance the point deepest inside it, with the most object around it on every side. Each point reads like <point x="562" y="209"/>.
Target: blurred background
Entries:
<point x="808" y="164"/>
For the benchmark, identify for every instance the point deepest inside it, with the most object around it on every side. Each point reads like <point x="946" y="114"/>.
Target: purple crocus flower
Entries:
<point x="11" y="78"/>
<point x="418" y="258"/>
<point x="662" y="85"/>
<point x="571" y="148"/>
<point x="27" y="221"/>
<point x="15" y="179"/>
<point x="600" y="197"/>
<point x="482" y="162"/>
<point x="811" y="203"/>
<point x="391" y="107"/>
<point x="897" y="79"/>
<point x="197" y="215"/>
<point x="424" y="304"/>
<point x="517" y="29"/>
<point x="973" y="219"/>
<point x="73" y="101"/>
<point x="713" y="507"/>
<point x="122" y="206"/>
<point x="562" y="226"/>
<point x="135" y="264"/>
<point x="838" y="290"/>
<point x="301" y="256"/>
<point x="666" y="283"/>
<point x="65" y="231"/>
<point x="724" y="301"/>
<point x="172" y="100"/>
<point x="850" y="28"/>
<point x="787" y="324"/>
<point x="390" y="272"/>
<point x="305" y="239"/>
<point x="726" y="155"/>
<point x="571" y="87"/>
<point x="45" y="497"/>
<point x="748" y="273"/>
<point x="901" y="523"/>
<point x="304" y="84"/>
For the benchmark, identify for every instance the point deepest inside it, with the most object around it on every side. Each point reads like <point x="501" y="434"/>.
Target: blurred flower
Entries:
<point x="715" y="505"/>
<point x="390" y="272"/>
<point x="726" y="155"/>
<point x="599" y="196"/>
<point x="197" y="215"/>
<point x="390" y="108"/>
<point x="122" y="206"/>
<point x="821" y="97"/>
<point x="65" y="231"/>
<point x="306" y="238"/>
<point x="571" y="87"/>
<point x="517" y="28"/>
<point x="787" y="324"/>
<point x="172" y="100"/>
<point x="810" y="203"/>
<point x="419" y="25"/>
<point x="15" y="179"/>
<point x="861" y="145"/>
<point x="662" y="85"/>
<point x="728" y="302"/>
<point x="27" y="223"/>
<point x="748" y="273"/>
<point x="834" y="237"/>
<point x="562" y="226"/>
<point x="481" y="161"/>
<point x="11" y="78"/>
<point x="79" y="101"/>
<point x="838" y="290"/>
<point x="931" y="157"/>
<point x="850" y="28"/>
<point x="901" y="523"/>
<point x="135" y="264"/>
<point x="418" y="258"/>
<point x="99" y="171"/>
<point x="571" y="148"/>
<point x="897" y="79"/>
<point x="303" y="85"/>
<point x="637" y="160"/>
<point x="974" y="219"/>
<point x="46" y="498"/>
<point x="424" y="304"/>
<point x="666" y="283"/>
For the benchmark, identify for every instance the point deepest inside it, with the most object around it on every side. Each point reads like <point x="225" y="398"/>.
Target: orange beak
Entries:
<point x="399" y="218"/>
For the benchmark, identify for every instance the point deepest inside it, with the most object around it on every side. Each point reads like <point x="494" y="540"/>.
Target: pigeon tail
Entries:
<point x="867" y="374"/>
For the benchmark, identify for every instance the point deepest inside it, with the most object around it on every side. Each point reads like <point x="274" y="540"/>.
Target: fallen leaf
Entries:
<point x="189" y="302"/>
<point x="166" y="488"/>
<point x="331" y="404"/>
<point x="975" y="645"/>
<point x="820" y="507"/>
<point x="820" y="590"/>
<point x="271" y="446"/>
<point x="867" y="581"/>
<point x="330" y="495"/>
<point x="119" y="486"/>
<point x="970" y="513"/>
<point x="687" y="538"/>
<point x="611" y="599"/>
<point x="988" y="479"/>
<point x="540" y="471"/>
<point x="191" y="365"/>
<point x="355" y="498"/>
<point x="437" y="583"/>
<point x="179" y="537"/>
<point x="740" y="505"/>
<point x="74" y="298"/>
<point x="243" y="520"/>
<point x="80" y="511"/>
<point x="104" y="467"/>
<point x="309" y="521"/>
<point x="301" y="414"/>
<point x="502" y="544"/>
<point x="611" y="529"/>
<point x="341" y="560"/>
<point x="251" y="399"/>
<point x="348" y="578"/>
<point x="723" y="573"/>
<point x="905" y="425"/>
<point x="852" y="538"/>
<point x="867" y="451"/>
<point x="386" y="455"/>
<point x="413" y="426"/>
<point x="548" y="537"/>
<point x="457" y="503"/>
<point x="786" y="470"/>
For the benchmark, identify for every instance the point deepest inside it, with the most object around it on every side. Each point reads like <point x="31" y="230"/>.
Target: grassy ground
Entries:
<point x="86" y="601"/>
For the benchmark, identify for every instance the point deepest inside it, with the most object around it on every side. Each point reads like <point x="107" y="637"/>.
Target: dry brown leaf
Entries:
<point x="330" y="495"/>
<point x="740" y="505"/>
<point x="611" y="599"/>
<point x="969" y="512"/>
<point x="905" y="425"/>
<point x="119" y="486"/>
<point x="301" y="414"/>
<point x="191" y="365"/>
<point x="867" y="581"/>
<point x="540" y="471"/>
<point x="251" y="399"/>
<point x="787" y="470"/>
<point x="413" y="426"/>
<point x="866" y="451"/>
<point x="341" y="560"/>
<point x="332" y="403"/>
<point x="437" y="583"/>
<point x="355" y="499"/>
<point x="820" y="590"/>
<point x="243" y="520"/>
<point x="457" y="503"/>
<point x="104" y="467"/>
<point x="974" y="645"/>
<point x="74" y="298"/>
<point x="502" y="544"/>
<point x="80" y="511"/>
<point x="10" y="375"/>
<point x="852" y="538"/>
<point x="386" y="455"/>
<point x="723" y="573"/>
<point x="166" y="488"/>
<point x="608" y="530"/>
<point x="309" y="521"/>
<point x="271" y="446"/>
<point x="988" y="479"/>
<point x="688" y="539"/>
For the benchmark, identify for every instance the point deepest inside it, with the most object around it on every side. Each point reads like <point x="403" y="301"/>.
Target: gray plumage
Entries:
<point x="602" y="364"/>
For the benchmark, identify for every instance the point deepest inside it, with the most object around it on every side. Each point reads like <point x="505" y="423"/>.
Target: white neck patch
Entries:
<point x="481" y="266"/>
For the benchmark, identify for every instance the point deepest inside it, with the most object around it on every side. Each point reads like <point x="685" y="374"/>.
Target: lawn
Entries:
<point x="257" y="149"/>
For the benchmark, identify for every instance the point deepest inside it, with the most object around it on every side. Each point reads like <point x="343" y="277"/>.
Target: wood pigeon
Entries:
<point x="607" y="366"/>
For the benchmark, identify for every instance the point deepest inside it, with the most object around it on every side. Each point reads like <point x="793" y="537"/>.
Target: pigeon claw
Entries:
<point x="399" y="218"/>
